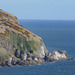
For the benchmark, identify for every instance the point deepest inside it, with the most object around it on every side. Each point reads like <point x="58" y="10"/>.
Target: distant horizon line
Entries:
<point x="48" y="19"/>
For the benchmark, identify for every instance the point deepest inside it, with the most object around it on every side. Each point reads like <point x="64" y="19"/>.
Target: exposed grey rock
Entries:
<point x="13" y="61"/>
<point x="10" y="61"/>
<point x="41" y="51"/>
<point x="36" y="59"/>
<point x="24" y="56"/>
<point x="57" y="55"/>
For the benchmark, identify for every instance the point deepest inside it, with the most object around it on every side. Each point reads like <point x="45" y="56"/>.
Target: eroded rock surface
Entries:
<point x="57" y="55"/>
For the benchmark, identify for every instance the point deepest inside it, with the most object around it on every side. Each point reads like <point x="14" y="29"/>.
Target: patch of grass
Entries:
<point x="32" y="45"/>
<point x="19" y="41"/>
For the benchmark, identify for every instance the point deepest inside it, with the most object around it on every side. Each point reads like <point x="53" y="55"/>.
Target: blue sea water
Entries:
<point x="57" y="35"/>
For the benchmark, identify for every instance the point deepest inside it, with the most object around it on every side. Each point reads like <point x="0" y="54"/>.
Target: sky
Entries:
<point x="40" y="9"/>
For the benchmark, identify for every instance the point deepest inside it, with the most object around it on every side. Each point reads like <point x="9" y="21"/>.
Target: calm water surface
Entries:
<point x="57" y="35"/>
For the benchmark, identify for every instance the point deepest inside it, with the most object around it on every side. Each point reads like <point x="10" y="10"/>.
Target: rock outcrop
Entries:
<point x="56" y="56"/>
<point x="19" y="46"/>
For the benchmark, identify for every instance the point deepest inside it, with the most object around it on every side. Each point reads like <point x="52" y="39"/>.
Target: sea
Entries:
<point x="57" y="35"/>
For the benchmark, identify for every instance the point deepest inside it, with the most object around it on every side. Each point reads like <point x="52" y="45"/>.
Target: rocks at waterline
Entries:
<point x="56" y="56"/>
<point x="71" y="58"/>
<point x="32" y="60"/>
<point x="29" y="59"/>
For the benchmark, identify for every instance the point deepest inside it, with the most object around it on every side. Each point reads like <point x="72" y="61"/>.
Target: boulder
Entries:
<point x="36" y="59"/>
<point x="24" y="56"/>
<point x="11" y="61"/>
<point x="57" y="55"/>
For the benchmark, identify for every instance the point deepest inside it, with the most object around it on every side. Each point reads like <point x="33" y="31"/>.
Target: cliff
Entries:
<point x="18" y="43"/>
<point x="19" y="46"/>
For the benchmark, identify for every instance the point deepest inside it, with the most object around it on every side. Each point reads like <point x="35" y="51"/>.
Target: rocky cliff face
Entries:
<point x="19" y="46"/>
<point x="15" y="41"/>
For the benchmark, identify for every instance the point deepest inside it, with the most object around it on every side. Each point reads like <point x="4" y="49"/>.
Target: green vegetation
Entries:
<point x="32" y="45"/>
<point x="20" y="42"/>
<point x="0" y="15"/>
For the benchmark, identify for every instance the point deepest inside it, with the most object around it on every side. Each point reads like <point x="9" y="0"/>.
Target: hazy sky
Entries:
<point x="40" y="9"/>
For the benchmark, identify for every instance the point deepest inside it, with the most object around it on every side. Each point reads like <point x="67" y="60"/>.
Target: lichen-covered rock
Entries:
<point x="57" y="55"/>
